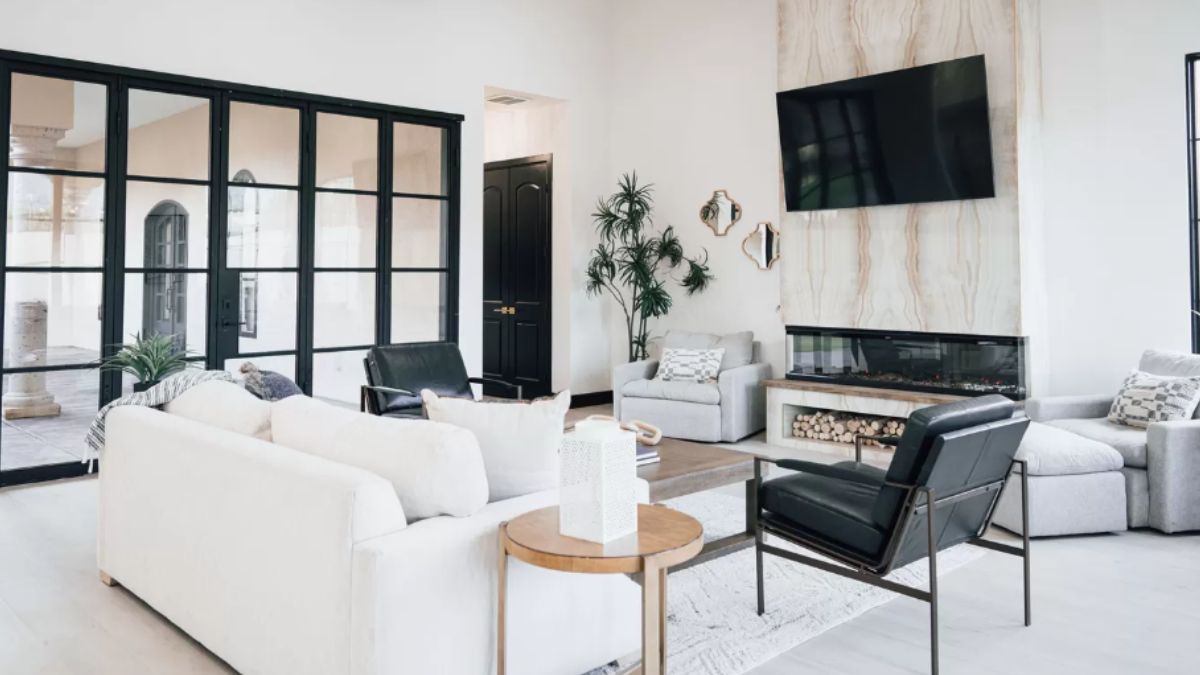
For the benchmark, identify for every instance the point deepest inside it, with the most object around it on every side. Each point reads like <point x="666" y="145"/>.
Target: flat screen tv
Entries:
<point x="914" y="135"/>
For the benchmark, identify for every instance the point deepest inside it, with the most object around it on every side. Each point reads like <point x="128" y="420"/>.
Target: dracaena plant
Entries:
<point x="636" y="263"/>
<point x="148" y="358"/>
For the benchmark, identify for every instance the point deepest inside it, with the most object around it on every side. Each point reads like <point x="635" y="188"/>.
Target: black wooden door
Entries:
<point x="516" y="274"/>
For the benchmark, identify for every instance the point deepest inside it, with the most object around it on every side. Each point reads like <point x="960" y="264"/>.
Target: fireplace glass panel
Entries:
<point x="949" y="363"/>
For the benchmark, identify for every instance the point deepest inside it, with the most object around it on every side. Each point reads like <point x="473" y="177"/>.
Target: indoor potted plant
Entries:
<point x="149" y="359"/>
<point x="634" y="261"/>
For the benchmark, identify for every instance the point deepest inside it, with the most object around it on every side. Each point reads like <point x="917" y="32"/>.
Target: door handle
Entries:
<point x="506" y="310"/>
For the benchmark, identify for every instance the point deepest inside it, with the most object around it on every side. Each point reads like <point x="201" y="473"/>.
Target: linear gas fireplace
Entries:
<point x="950" y="363"/>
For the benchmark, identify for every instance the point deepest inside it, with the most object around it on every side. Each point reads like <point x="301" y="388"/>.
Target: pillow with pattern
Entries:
<point x="1146" y="398"/>
<point x="690" y="365"/>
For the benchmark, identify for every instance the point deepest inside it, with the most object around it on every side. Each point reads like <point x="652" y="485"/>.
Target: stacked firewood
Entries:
<point x="841" y="427"/>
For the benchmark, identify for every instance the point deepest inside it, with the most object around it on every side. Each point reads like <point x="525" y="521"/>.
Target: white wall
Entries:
<point x="436" y="55"/>
<point x="1116" y="245"/>
<point x="693" y="110"/>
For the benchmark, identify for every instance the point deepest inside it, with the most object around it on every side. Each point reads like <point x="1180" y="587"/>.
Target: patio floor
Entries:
<point x="52" y="440"/>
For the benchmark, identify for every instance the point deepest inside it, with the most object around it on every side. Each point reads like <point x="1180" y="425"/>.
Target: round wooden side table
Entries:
<point x="665" y="537"/>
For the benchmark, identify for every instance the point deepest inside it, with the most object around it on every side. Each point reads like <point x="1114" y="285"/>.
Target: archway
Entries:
<point x="164" y="300"/>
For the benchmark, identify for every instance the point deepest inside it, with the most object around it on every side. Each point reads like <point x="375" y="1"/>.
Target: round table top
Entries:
<point x="664" y="535"/>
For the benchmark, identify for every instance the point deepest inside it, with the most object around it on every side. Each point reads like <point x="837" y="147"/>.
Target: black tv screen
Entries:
<point x="914" y="135"/>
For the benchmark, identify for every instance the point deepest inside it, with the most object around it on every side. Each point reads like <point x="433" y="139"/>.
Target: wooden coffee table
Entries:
<point x="665" y="538"/>
<point x="685" y="467"/>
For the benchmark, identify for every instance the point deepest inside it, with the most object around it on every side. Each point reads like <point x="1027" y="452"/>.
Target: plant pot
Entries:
<point x="143" y="386"/>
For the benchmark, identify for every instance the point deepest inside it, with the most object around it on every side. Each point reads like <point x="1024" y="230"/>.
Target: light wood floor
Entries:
<point x="1116" y="604"/>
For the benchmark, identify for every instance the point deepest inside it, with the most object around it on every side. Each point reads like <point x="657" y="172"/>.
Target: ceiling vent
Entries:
<point x="506" y="99"/>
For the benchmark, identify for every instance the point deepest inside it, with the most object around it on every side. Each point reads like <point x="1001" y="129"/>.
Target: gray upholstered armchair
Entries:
<point x="727" y="410"/>
<point x="1162" y="463"/>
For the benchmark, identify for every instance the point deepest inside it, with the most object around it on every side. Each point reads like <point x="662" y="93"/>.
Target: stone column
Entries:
<point x="25" y="330"/>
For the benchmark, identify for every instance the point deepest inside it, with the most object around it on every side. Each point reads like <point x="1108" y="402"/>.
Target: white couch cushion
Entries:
<point x="435" y="468"/>
<point x="692" y="392"/>
<point x="739" y="347"/>
<point x="226" y="406"/>
<point x="519" y="441"/>
<point x="1129" y="441"/>
<point x="1051" y="451"/>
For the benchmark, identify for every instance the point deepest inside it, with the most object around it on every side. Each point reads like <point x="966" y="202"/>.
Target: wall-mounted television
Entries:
<point x="914" y="135"/>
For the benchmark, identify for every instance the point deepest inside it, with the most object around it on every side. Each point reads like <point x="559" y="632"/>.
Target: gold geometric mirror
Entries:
<point x="720" y="212"/>
<point x="762" y="245"/>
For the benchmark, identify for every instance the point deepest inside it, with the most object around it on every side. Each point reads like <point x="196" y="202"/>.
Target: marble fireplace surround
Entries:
<point x="951" y="267"/>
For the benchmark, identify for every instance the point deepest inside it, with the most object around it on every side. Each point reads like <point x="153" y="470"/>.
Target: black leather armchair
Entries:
<point x="396" y="374"/>
<point x="945" y="478"/>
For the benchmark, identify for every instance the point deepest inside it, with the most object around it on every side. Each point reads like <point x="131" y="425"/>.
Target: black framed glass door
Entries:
<point x="285" y="229"/>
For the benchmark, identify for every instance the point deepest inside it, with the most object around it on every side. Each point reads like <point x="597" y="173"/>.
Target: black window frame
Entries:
<point x="1191" y="72"/>
<point x="222" y="283"/>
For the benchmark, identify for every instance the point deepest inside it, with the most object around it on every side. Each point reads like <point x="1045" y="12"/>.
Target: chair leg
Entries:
<point x="933" y="584"/>
<point x="758" y="569"/>
<point x="1025" y="540"/>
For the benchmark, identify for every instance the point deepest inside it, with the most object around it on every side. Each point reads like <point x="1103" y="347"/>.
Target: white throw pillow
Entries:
<point x="1146" y="398"/>
<point x="226" y="406"/>
<point x="435" y="468"/>
<point x="690" y="365"/>
<point x="519" y="441"/>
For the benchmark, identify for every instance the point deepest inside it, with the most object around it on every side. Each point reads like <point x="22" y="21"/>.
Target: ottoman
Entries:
<point x="1075" y="485"/>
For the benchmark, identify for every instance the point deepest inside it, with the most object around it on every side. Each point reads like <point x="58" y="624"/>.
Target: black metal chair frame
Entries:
<point x="367" y="404"/>
<point x="916" y="504"/>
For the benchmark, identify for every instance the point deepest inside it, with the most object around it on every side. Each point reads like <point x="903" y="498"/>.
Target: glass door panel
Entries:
<point x="419" y="228"/>
<point x="55" y="221"/>
<point x="419" y="159"/>
<point x="260" y="291"/>
<point x="344" y="309"/>
<point x="166" y="225"/>
<point x="168" y="135"/>
<point x="53" y="268"/>
<point x="264" y="142"/>
<point x="57" y="123"/>
<point x="346" y="227"/>
<point x="263" y="227"/>
<point x="338" y="376"/>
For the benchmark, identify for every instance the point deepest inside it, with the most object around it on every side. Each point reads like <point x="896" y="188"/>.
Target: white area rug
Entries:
<point x="712" y="627"/>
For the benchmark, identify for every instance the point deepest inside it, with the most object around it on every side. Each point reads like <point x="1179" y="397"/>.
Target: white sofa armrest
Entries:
<point x="245" y="545"/>
<point x="626" y="373"/>
<point x="1173" y="467"/>
<point x="425" y="602"/>
<point x="743" y="400"/>
<point x="1068" y="407"/>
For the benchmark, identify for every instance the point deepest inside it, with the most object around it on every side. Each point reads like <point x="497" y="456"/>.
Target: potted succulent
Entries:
<point x="150" y="359"/>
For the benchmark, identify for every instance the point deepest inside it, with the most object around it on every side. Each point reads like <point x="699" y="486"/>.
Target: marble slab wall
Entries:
<point x="947" y="266"/>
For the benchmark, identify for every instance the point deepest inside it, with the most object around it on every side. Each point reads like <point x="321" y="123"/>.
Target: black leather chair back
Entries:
<point x="967" y="468"/>
<point x="914" y="457"/>
<point x="437" y="366"/>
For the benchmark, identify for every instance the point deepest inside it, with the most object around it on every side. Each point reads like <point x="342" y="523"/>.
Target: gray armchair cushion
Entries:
<point x="692" y="392"/>
<point x="739" y="347"/>
<point x="1128" y="441"/>
<point x="1051" y="451"/>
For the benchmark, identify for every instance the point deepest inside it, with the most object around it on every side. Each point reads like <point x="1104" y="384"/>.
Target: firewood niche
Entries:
<point x="836" y="426"/>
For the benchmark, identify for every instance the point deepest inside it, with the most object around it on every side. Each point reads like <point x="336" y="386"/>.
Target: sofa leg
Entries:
<point x="107" y="580"/>
<point x="933" y="581"/>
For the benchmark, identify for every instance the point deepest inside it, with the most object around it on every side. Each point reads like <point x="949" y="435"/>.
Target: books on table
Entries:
<point x="646" y="454"/>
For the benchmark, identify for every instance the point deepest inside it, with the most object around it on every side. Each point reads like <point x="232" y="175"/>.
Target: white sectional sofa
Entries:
<point x="284" y="562"/>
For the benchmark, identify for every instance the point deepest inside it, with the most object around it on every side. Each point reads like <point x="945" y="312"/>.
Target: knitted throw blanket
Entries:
<point x="158" y="395"/>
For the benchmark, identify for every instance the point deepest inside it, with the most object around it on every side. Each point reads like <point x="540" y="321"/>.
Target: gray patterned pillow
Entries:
<point x="690" y="365"/>
<point x="1146" y="398"/>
